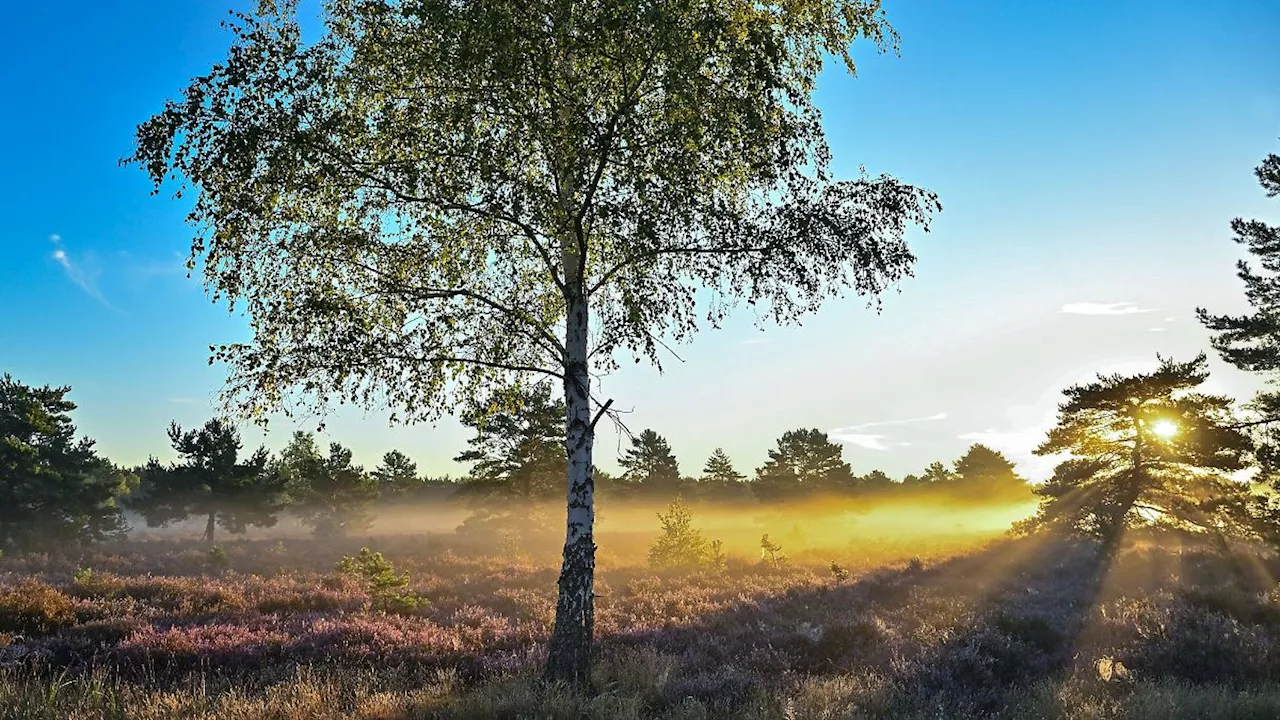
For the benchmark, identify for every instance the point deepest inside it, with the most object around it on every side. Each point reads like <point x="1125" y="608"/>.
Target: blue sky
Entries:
<point x="1089" y="156"/>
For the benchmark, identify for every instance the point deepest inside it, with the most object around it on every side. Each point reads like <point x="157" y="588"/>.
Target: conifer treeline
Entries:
<point x="61" y="488"/>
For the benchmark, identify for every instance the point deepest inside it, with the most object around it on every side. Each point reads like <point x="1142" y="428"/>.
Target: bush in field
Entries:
<point x="218" y="559"/>
<point x="679" y="545"/>
<point x="34" y="608"/>
<point x="388" y="590"/>
<point x="771" y="552"/>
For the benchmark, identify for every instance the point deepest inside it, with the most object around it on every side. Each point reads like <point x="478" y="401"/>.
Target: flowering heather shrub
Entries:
<point x="35" y="608"/>
<point x="1015" y="630"/>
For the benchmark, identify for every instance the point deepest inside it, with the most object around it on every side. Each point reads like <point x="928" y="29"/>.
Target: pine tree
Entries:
<point x="875" y="481"/>
<point x="1252" y="342"/>
<point x="397" y="474"/>
<point x="679" y="544"/>
<point x="650" y="463"/>
<point x="986" y="474"/>
<point x="211" y="482"/>
<point x="805" y="460"/>
<point x="937" y="473"/>
<point x="332" y="495"/>
<point x="518" y="447"/>
<point x="1146" y="449"/>
<point x="719" y="470"/>
<point x="55" y="491"/>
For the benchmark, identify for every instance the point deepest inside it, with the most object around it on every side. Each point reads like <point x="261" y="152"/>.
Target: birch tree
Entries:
<point x="432" y="199"/>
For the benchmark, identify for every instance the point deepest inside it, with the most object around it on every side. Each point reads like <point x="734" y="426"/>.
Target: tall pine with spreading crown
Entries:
<point x="1147" y="449"/>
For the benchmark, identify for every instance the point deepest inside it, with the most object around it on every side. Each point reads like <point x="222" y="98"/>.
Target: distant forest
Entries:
<point x="65" y="491"/>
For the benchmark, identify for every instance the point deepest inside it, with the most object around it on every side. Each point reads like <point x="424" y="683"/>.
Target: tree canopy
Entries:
<point x="518" y="446"/>
<point x="719" y="470"/>
<point x="54" y="489"/>
<point x="329" y="492"/>
<point x="210" y="481"/>
<point x="983" y="473"/>
<point x="432" y="199"/>
<point x="1252" y="342"/>
<point x="1147" y="449"/>
<point x="805" y="459"/>
<point x="650" y="463"/>
<point x="397" y="474"/>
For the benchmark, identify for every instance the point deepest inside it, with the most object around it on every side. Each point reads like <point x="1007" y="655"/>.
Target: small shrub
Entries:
<point x="719" y="560"/>
<point x="838" y="572"/>
<point x="388" y="590"/>
<point x="771" y="552"/>
<point x="679" y="545"/>
<point x="83" y="576"/>
<point x="217" y="558"/>
<point x="34" y="608"/>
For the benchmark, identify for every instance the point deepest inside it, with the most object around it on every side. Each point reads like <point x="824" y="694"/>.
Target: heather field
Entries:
<point x="940" y="624"/>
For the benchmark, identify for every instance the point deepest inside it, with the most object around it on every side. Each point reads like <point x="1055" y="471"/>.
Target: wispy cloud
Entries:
<point x="868" y="441"/>
<point x="140" y="269"/>
<point x="886" y="423"/>
<point x="853" y="434"/>
<point x="1018" y="445"/>
<point x="1016" y="441"/>
<point x="84" y="275"/>
<point x="1092" y="308"/>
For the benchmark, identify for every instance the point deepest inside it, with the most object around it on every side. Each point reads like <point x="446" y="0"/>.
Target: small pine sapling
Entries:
<point x="388" y="590"/>
<point x="679" y="545"/>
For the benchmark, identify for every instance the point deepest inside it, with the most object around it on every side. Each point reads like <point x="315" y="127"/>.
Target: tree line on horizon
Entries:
<point x="68" y="493"/>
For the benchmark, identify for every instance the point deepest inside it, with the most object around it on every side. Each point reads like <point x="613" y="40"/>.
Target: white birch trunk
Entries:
<point x="569" y="655"/>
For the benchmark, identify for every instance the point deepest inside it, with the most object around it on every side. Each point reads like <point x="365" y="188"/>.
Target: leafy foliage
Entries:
<point x="434" y="199"/>
<point x="1124" y="471"/>
<point x="54" y="489"/>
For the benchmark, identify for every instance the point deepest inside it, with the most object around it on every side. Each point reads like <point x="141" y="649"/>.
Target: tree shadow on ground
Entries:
<point x="954" y="638"/>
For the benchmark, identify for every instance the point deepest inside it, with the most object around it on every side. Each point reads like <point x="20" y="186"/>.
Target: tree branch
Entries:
<point x="600" y="413"/>
<point x="379" y="183"/>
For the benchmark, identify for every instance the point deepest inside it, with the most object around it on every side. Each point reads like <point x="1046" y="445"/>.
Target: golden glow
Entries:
<point x="1165" y="429"/>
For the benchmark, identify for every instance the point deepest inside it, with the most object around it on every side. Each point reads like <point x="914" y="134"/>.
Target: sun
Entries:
<point x="1165" y="428"/>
